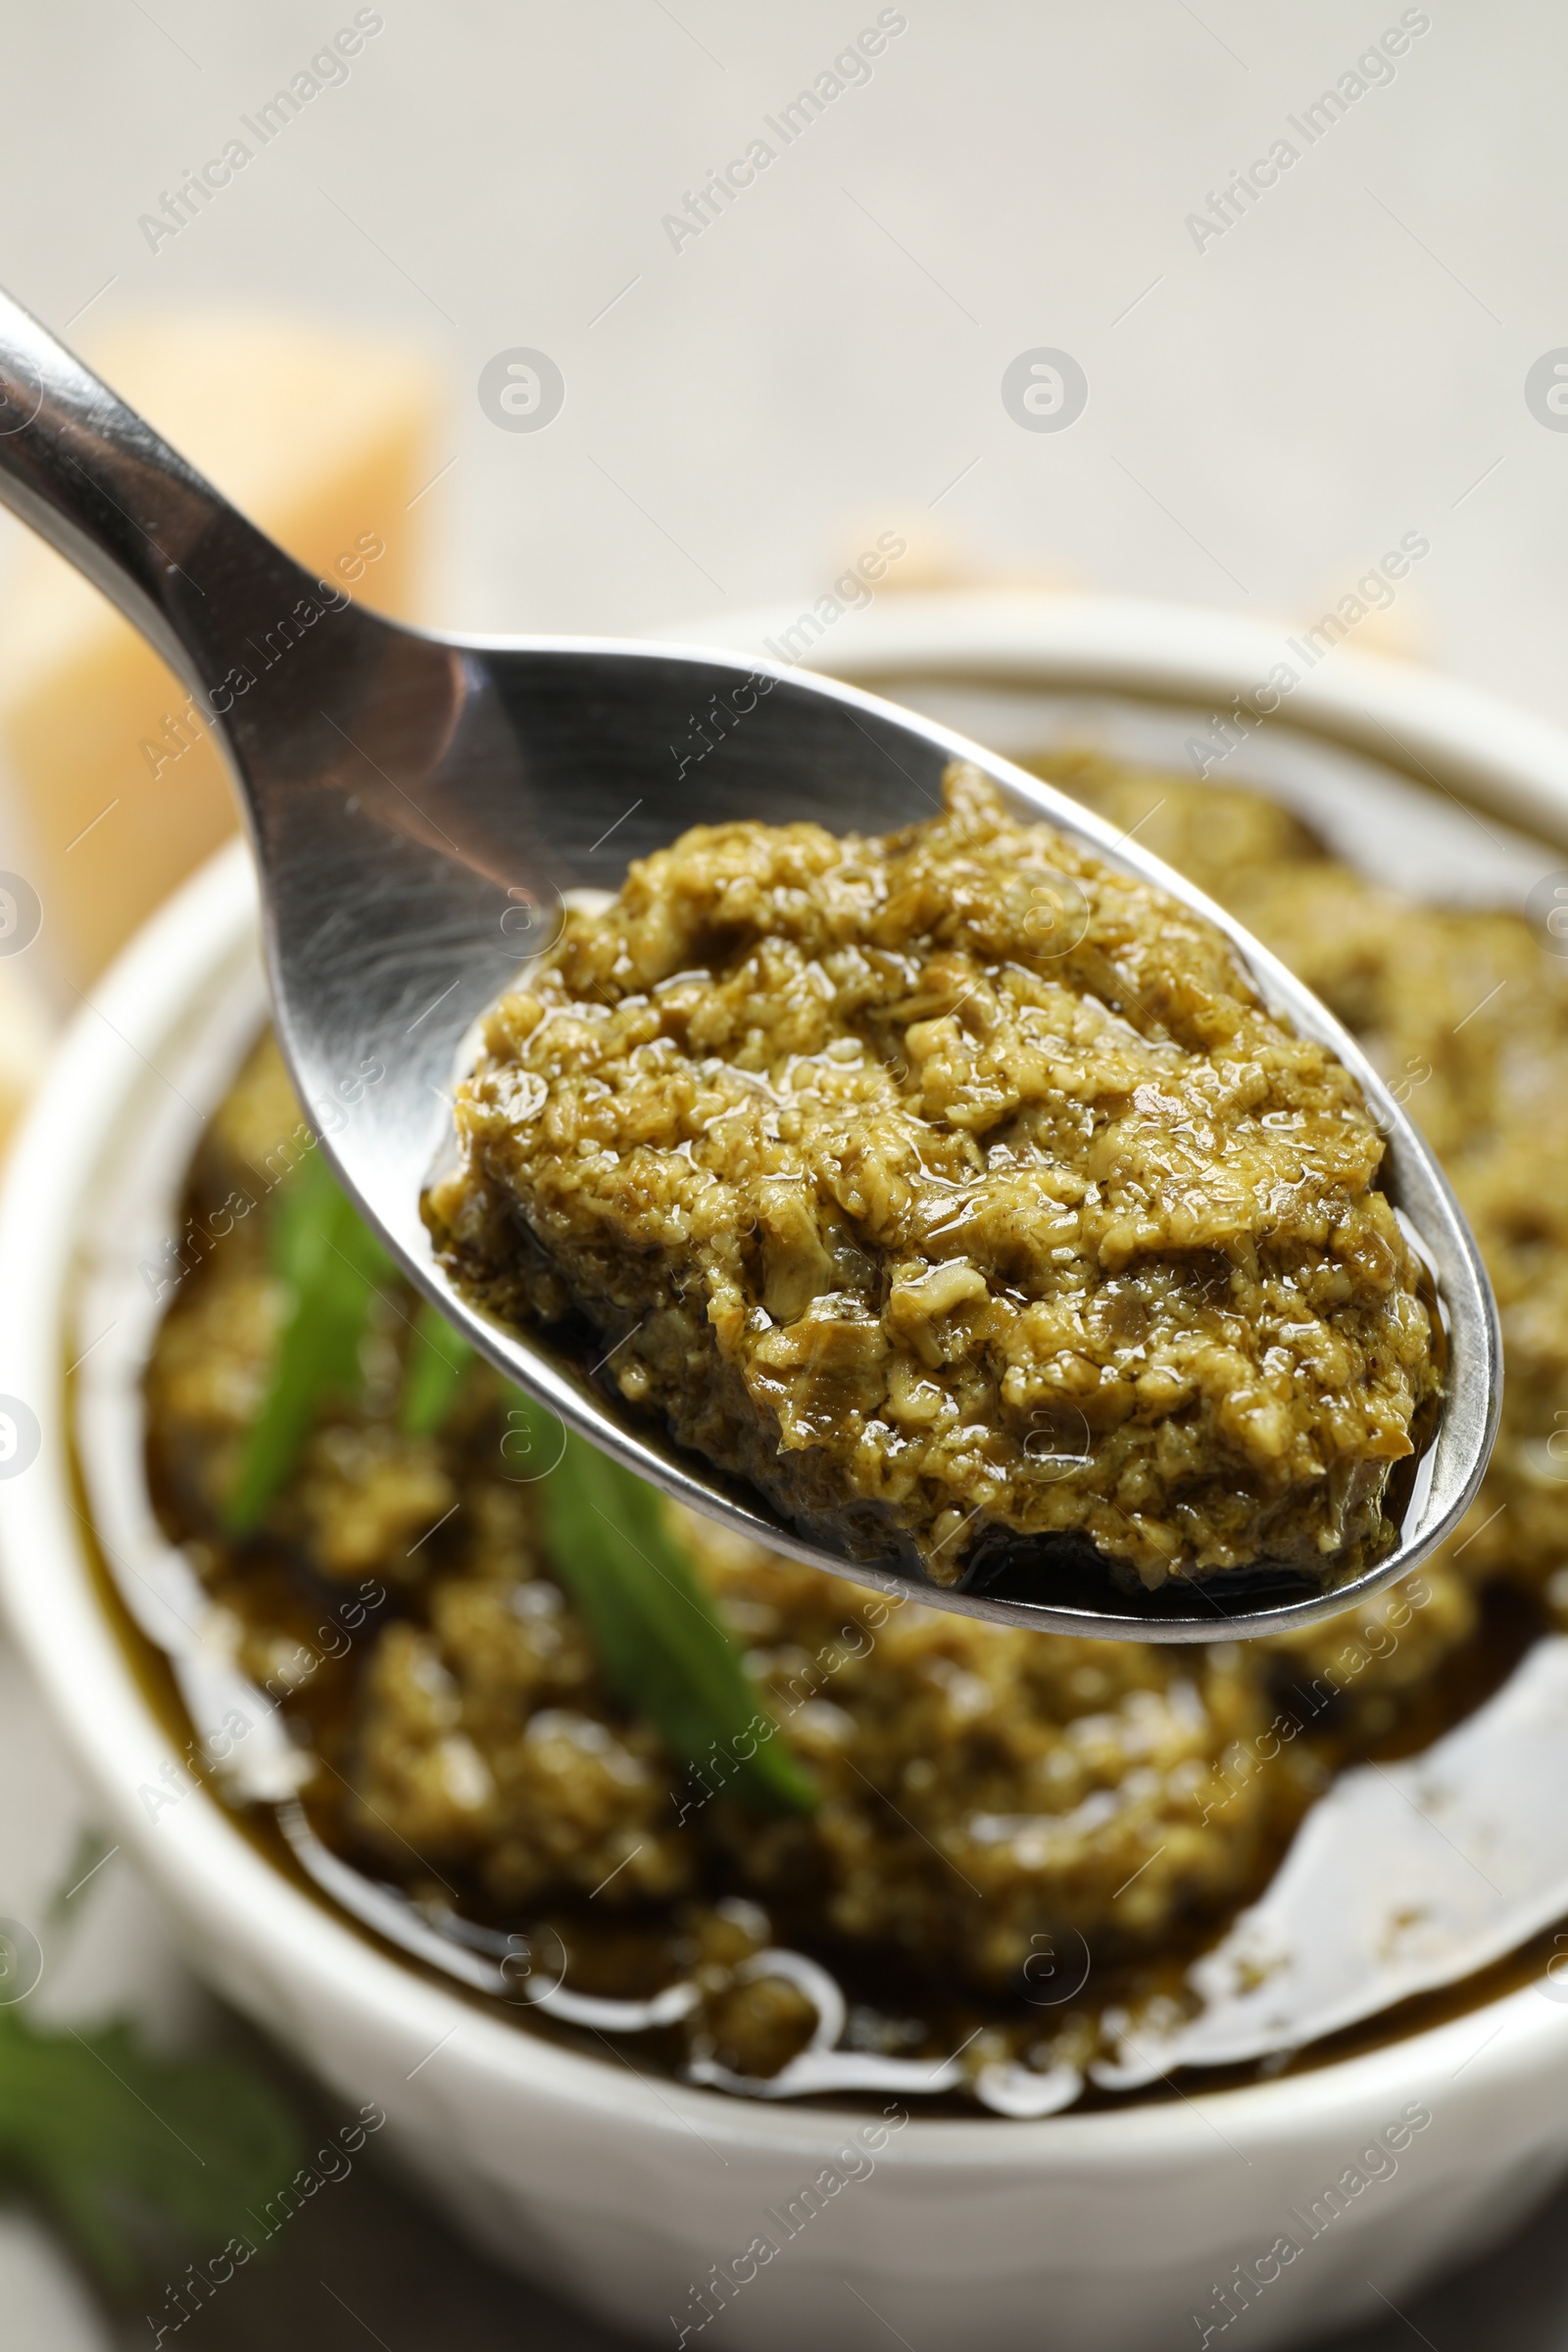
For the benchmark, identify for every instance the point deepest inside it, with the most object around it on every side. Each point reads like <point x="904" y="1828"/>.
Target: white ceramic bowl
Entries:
<point x="1102" y="2232"/>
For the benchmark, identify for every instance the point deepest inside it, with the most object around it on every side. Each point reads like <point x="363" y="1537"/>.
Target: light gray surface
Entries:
<point x="1339" y="367"/>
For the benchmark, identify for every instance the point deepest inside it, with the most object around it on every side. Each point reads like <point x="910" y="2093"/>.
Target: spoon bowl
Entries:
<point x="420" y="806"/>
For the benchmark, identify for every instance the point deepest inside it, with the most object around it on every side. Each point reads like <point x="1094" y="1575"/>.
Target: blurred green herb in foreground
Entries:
<point x="105" y="2134"/>
<point x="120" y="2146"/>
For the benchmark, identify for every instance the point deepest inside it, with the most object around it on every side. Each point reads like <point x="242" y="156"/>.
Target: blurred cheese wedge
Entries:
<point x="116" y="787"/>
<point x="25" y="1028"/>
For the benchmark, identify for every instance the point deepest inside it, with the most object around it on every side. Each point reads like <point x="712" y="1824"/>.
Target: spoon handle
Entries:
<point x="95" y="480"/>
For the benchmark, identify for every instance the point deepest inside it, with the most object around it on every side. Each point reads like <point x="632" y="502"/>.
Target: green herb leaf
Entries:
<point x="664" y="1648"/>
<point x="101" y="2131"/>
<point x="330" y="1267"/>
<point x="438" y="1358"/>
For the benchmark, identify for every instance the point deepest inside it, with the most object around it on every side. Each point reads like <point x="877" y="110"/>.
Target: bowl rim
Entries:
<point x="201" y="1857"/>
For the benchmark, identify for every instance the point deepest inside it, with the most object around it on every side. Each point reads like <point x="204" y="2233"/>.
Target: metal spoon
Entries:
<point x="417" y="806"/>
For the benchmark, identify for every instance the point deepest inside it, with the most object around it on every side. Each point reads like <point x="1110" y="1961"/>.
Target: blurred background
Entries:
<point x="589" y="319"/>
